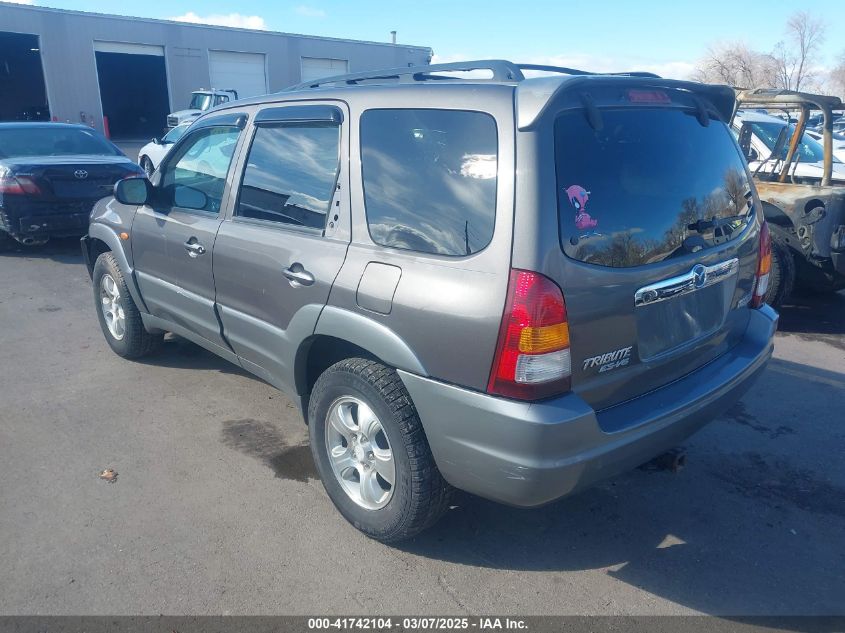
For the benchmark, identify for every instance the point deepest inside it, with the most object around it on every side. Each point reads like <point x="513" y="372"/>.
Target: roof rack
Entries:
<point x="503" y="72"/>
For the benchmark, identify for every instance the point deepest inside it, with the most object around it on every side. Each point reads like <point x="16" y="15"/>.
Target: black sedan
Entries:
<point x="51" y="174"/>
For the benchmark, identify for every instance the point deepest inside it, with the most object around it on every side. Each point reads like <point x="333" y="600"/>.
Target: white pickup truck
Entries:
<point x="201" y="100"/>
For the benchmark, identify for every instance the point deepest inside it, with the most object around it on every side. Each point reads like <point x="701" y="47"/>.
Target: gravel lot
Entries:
<point x="216" y="509"/>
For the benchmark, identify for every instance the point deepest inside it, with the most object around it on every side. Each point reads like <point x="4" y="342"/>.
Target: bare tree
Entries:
<point x="791" y="65"/>
<point x="795" y="56"/>
<point x="837" y="77"/>
<point x="735" y="64"/>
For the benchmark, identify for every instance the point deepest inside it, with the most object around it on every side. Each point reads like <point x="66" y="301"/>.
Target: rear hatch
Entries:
<point x="657" y="249"/>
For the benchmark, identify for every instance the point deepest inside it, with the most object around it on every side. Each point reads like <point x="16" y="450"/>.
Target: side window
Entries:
<point x="430" y="179"/>
<point x="220" y="99"/>
<point x="194" y="178"/>
<point x="290" y="174"/>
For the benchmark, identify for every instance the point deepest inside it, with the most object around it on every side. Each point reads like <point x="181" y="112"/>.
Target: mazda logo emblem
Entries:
<point x="81" y="174"/>
<point x="699" y="275"/>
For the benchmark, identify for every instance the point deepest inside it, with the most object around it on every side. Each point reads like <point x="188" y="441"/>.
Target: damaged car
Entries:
<point x="802" y="187"/>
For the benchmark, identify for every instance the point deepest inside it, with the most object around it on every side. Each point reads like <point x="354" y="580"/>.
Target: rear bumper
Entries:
<point x="60" y="225"/>
<point x="528" y="454"/>
<point x="59" y="219"/>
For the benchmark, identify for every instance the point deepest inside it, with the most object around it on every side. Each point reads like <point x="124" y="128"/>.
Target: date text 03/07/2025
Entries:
<point x="417" y="624"/>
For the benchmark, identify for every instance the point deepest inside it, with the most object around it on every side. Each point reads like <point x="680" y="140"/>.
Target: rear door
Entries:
<point x="173" y="237"/>
<point x="657" y="239"/>
<point x="276" y="257"/>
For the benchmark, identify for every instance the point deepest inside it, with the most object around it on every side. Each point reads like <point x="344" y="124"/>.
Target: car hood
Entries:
<point x="185" y="114"/>
<point x="147" y="148"/>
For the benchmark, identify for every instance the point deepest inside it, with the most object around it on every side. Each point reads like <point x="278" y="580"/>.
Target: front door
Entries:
<point x="276" y="258"/>
<point x="173" y="236"/>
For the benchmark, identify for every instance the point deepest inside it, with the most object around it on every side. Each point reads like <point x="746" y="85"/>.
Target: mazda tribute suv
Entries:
<point x="506" y="285"/>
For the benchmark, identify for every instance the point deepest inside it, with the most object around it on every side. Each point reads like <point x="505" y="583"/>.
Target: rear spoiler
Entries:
<point x="534" y="96"/>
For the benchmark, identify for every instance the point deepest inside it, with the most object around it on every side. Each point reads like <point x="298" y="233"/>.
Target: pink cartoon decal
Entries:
<point x="578" y="198"/>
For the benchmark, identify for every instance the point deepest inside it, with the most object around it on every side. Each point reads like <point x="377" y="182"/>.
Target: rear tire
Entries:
<point x="782" y="275"/>
<point x="418" y="495"/>
<point x="119" y="317"/>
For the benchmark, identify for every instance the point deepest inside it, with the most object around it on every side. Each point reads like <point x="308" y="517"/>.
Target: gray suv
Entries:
<point x="514" y="287"/>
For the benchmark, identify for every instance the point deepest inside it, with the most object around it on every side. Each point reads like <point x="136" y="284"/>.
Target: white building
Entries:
<point x="78" y="67"/>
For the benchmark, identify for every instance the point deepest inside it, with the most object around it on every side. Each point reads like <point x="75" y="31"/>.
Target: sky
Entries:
<point x="654" y="35"/>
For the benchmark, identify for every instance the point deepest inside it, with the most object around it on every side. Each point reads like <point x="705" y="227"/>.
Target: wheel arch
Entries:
<point x="342" y="334"/>
<point x="775" y="215"/>
<point x="102" y="239"/>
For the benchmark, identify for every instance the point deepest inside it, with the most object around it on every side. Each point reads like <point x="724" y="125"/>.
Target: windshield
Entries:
<point x="200" y="101"/>
<point x="53" y="141"/>
<point x="176" y="133"/>
<point x="647" y="185"/>
<point x="809" y="150"/>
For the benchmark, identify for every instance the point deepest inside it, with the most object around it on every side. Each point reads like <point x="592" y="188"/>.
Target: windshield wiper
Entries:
<point x="701" y="225"/>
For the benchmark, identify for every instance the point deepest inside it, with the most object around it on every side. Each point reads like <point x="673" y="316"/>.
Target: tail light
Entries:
<point x="764" y="267"/>
<point x="532" y="358"/>
<point x="18" y="186"/>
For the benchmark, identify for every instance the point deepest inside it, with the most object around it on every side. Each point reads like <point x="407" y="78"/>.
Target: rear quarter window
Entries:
<point x="430" y="179"/>
<point x="647" y="185"/>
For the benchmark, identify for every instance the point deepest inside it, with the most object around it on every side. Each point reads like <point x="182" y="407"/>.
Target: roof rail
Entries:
<point x="503" y="72"/>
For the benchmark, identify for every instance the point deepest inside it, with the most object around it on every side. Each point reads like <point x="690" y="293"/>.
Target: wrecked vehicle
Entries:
<point x="51" y="175"/>
<point x="802" y="188"/>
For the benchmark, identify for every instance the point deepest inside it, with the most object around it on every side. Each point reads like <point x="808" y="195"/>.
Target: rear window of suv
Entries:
<point x="648" y="184"/>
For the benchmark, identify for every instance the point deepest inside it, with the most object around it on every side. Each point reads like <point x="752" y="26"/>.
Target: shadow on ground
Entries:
<point x="818" y="317"/>
<point x="179" y="353"/>
<point x="729" y="534"/>
<point x="64" y="250"/>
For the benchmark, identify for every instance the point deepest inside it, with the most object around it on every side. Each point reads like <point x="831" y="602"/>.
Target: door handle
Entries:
<point x="194" y="248"/>
<point x="298" y="276"/>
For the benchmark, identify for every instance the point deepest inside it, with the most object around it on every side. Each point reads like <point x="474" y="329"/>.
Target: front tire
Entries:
<point x="119" y="317"/>
<point x="371" y="451"/>
<point x="147" y="166"/>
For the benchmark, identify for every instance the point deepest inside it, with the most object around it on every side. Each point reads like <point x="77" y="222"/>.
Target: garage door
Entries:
<point x="24" y="97"/>
<point x="128" y="48"/>
<point x="243" y="72"/>
<point x="319" y="67"/>
<point x="135" y="109"/>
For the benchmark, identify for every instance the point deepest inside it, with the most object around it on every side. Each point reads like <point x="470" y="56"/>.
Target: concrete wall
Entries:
<point x="67" y="52"/>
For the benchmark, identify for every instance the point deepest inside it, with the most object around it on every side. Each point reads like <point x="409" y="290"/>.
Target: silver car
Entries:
<point x="514" y="287"/>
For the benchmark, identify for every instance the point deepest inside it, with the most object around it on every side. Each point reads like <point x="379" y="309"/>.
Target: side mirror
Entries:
<point x="132" y="191"/>
<point x="156" y="140"/>
<point x="189" y="198"/>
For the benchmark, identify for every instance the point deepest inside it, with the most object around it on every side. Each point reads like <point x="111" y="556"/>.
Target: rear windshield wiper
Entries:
<point x="700" y="226"/>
